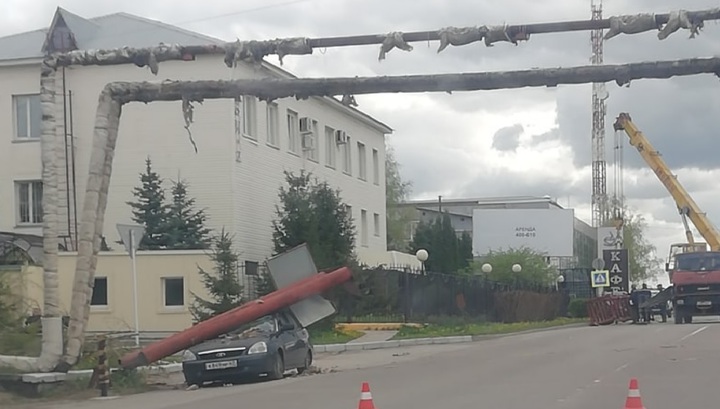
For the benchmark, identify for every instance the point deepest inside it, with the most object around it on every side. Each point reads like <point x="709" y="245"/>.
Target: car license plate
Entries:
<point x="704" y="303"/>
<point x="220" y="365"/>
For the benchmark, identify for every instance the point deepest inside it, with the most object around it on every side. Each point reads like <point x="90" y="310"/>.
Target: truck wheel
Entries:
<point x="688" y="318"/>
<point x="678" y="316"/>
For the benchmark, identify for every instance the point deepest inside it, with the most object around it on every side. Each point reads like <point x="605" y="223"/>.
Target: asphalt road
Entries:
<point x="581" y="368"/>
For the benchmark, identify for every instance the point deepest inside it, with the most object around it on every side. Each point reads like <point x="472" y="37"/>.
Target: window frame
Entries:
<point x="376" y="224"/>
<point x="364" y="237"/>
<point x="27" y="98"/>
<point x="347" y="157"/>
<point x="313" y="154"/>
<point x="376" y="167"/>
<point x="330" y="148"/>
<point x="272" y="117"/>
<point x="293" y="129"/>
<point x="362" y="161"/>
<point x="35" y="211"/>
<point x="249" y="127"/>
<point x="107" y="294"/>
<point x="165" y="290"/>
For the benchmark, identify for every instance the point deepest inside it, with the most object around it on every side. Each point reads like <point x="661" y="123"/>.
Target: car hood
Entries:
<point x="229" y="342"/>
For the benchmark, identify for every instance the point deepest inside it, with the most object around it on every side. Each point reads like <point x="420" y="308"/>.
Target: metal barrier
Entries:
<point x="609" y="309"/>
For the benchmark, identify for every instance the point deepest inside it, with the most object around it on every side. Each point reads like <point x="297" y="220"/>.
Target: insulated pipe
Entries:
<point x="230" y="320"/>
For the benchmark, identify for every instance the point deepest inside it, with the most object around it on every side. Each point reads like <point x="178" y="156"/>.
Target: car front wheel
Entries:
<point x="306" y="364"/>
<point x="278" y="368"/>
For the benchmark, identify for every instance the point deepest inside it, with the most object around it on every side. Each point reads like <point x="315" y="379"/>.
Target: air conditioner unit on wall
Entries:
<point x="341" y="137"/>
<point x="306" y="125"/>
<point x="308" y="142"/>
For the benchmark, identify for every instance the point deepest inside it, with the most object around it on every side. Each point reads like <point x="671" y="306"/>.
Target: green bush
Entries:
<point x="578" y="308"/>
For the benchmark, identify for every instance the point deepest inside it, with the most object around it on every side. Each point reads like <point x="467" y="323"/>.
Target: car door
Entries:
<point x="292" y="343"/>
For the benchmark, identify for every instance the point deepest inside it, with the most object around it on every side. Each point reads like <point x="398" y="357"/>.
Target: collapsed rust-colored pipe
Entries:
<point x="232" y="319"/>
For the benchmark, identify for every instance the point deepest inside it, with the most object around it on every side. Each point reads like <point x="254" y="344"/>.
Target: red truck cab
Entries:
<point x="696" y="281"/>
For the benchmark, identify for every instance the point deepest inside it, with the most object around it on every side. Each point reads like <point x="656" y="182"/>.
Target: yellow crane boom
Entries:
<point x="685" y="203"/>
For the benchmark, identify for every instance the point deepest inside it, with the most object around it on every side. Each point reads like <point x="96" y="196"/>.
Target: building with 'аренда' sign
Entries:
<point x="500" y="223"/>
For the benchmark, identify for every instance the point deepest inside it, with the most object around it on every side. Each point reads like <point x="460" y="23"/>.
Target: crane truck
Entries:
<point x="693" y="270"/>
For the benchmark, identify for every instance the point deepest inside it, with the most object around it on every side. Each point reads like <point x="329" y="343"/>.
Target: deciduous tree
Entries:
<point x="534" y="270"/>
<point x="397" y="191"/>
<point x="643" y="260"/>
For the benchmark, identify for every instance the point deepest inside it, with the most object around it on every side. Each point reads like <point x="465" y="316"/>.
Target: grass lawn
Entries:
<point x="486" y="328"/>
<point x="333" y="336"/>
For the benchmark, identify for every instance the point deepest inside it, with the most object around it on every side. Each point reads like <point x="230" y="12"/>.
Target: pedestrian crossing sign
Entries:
<point x="600" y="278"/>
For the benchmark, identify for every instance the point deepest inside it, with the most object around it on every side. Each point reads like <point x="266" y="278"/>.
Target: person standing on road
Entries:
<point x="634" y="310"/>
<point x="663" y="306"/>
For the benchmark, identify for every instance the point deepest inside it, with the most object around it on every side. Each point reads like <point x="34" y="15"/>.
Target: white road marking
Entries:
<point x="621" y="367"/>
<point x="697" y="331"/>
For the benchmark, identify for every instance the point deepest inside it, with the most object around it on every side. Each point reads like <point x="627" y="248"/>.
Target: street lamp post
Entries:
<point x="516" y="268"/>
<point x="422" y="256"/>
<point x="559" y="282"/>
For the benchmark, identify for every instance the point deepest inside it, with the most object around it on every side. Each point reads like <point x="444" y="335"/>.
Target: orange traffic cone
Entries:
<point x="366" y="401"/>
<point x="634" y="401"/>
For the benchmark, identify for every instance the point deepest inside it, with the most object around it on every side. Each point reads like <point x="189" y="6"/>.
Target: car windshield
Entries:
<point x="698" y="262"/>
<point x="263" y="326"/>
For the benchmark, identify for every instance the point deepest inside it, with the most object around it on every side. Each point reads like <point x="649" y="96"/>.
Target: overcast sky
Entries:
<point x="507" y="142"/>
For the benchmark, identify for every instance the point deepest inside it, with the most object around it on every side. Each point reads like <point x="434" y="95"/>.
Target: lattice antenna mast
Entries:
<point x="600" y="205"/>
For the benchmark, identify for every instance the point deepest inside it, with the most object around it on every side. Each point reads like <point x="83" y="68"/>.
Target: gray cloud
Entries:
<point x="507" y="138"/>
<point x="439" y="148"/>
<point x="549" y="136"/>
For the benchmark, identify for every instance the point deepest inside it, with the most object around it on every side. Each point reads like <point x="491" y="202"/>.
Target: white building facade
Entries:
<point x="243" y="146"/>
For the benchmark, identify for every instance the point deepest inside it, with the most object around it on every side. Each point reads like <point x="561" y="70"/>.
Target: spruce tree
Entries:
<point x="185" y="225"/>
<point x="312" y="212"/>
<point x="447" y="252"/>
<point x="264" y="284"/>
<point x="222" y="284"/>
<point x="150" y="210"/>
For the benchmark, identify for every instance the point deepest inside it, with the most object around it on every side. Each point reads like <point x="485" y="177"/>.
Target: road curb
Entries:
<point x="53" y="377"/>
<point x="364" y="346"/>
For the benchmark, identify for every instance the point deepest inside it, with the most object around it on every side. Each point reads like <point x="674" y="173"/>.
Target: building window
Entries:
<point x="28" y="116"/>
<point x="330" y="147"/>
<point x="174" y="292"/>
<point x="347" y="157"/>
<point x="363" y="228"/>
<point x="250" y="117"/>
<point x="376" y="224"/>
<point x="29" y="202"/>
<point x="252" y="268"/>
<point x="310" y="143"/>
<point x="293" y="132"/>
<point x="376" y="166"/>
<point x="362" y="161"/>
<point x="100" y="292"/>
<point x="273" y="124"/>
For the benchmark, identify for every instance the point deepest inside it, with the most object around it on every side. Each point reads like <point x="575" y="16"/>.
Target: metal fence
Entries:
<point x="404" y="295"/>
<point x="392" y="295"/>
<point x="577" y="282"/>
